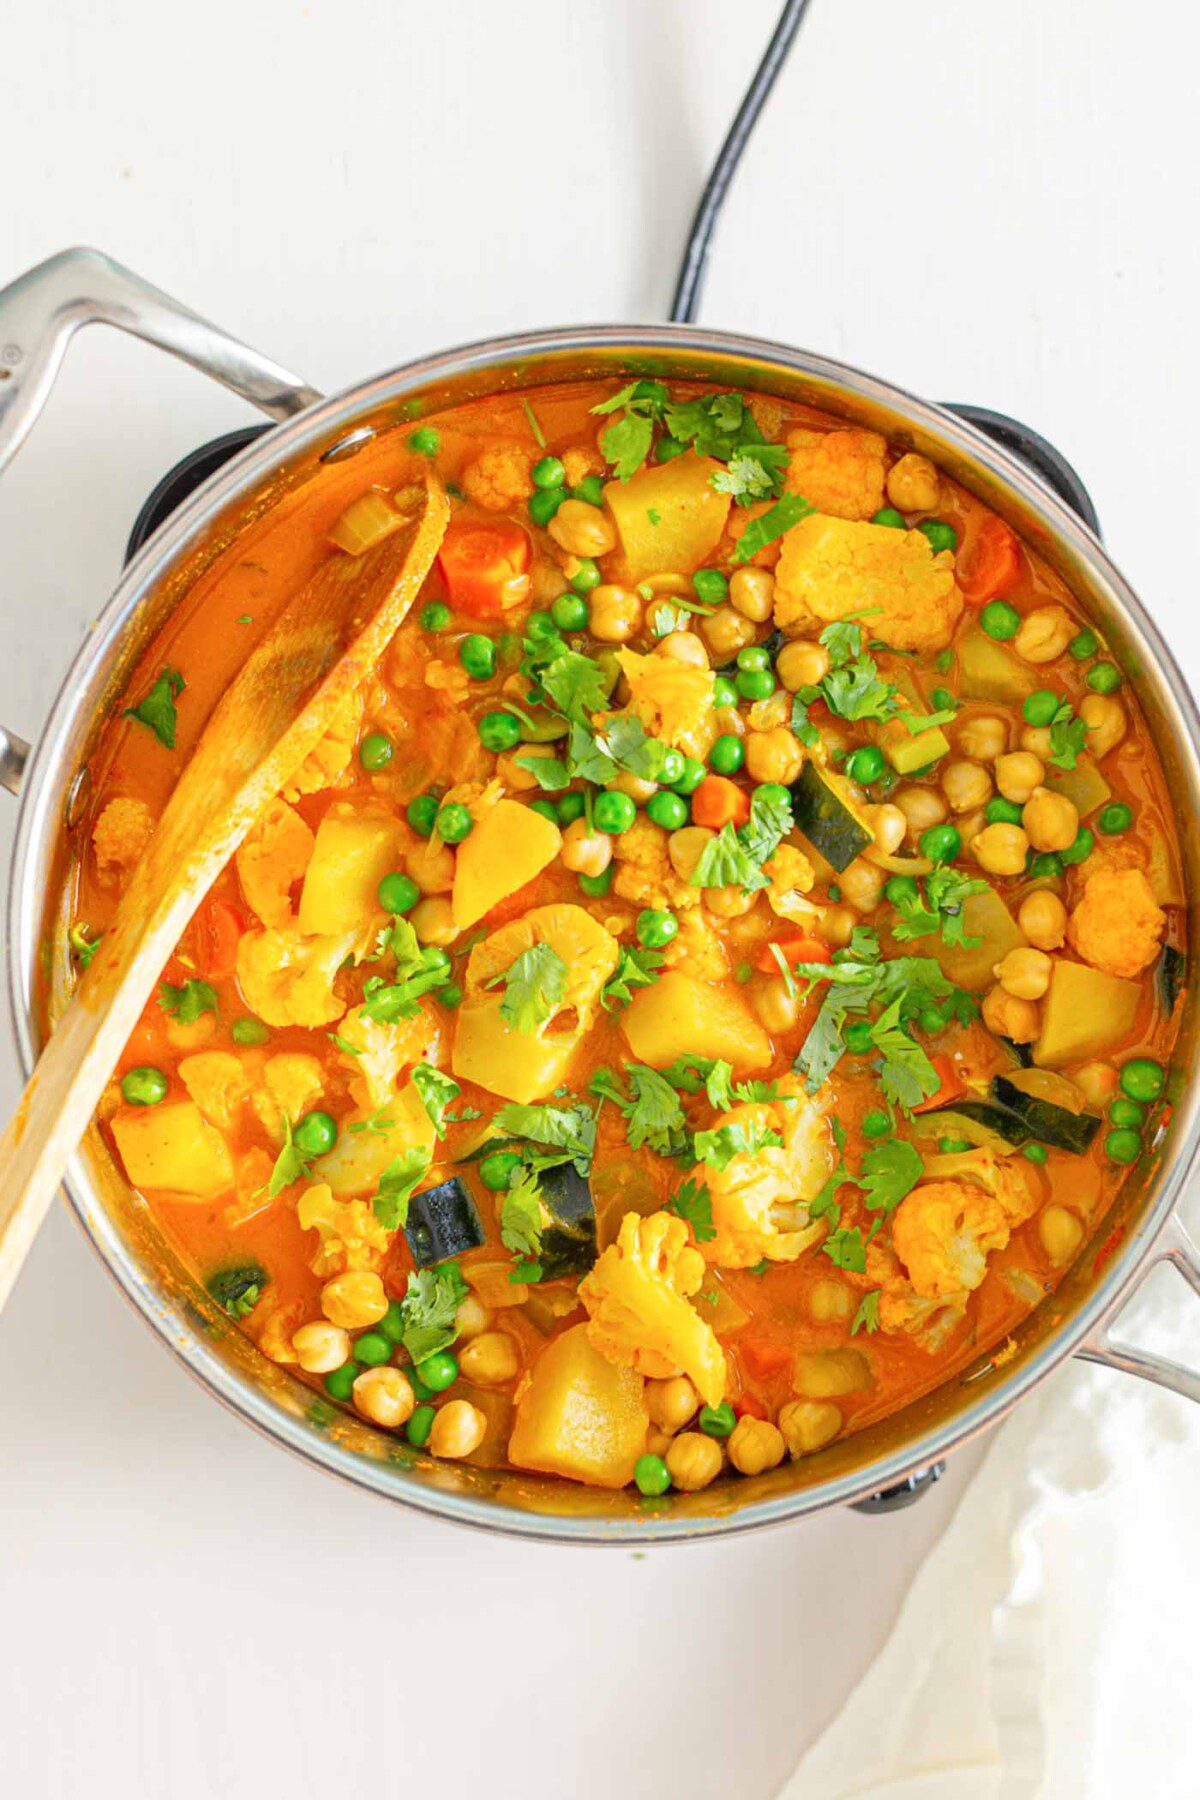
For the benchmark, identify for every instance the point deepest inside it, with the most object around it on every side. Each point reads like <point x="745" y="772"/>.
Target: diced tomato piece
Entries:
<point x="718" y="801"/>
<point x="747" y="1407"/>
<point x="950" y="1085"/>
<point x="990" y="564"/>
<point x="485" y="567"/>
<point x="218" y="929"/>
<point x="762" y="1356"/>
<point x="793" y="950"/>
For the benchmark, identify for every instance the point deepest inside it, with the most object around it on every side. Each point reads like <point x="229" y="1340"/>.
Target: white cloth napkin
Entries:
<point x="1045" y="1650"/>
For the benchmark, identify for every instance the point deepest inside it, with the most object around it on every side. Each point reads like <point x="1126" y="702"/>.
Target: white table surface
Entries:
<point x="993" y="204"/>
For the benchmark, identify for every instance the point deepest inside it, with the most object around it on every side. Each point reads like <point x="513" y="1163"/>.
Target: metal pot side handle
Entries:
<point x="1177" y="1247"/>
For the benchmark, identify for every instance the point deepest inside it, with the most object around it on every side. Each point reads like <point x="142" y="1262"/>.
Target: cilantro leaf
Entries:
<point x="188" y="1002"/>
<point x="569" y="1128"/>
<point x="867" y="1316"/>
<point x="787" y="511"/>
<point x="754" y="473"/>
<point x="157" y="709"/>
<point x="769" y="823"/>
<point x="521" y="1217"/>
<point x="1068" y="737"/>
<point x="398" y="1183"/>
<point x="290" y="1165"/>
<point x="906" y="1074"/>
<point x="693" y="1202"/>
<point x="741" y="1138"/>
<point x="725" y="862"/>
<point x="636" y="968"/>
<point x="626" y="444"/>
<point x="576" y="685"/>
<point x="653" y="1115"/>
<point x="915" y="723"/>
<point x="238" y="1290"/>
<point x="428" y="1309"/>
<point x="843" y="638"/>
<point x="534" y="985"/>
<point x="855" y="691"/>
<point x="437" y="1092"/>
<point x="83" y="946"/>
<point x="631" y="747"/>
<point x="889" y="1171"/>
<point x="550" y="772"/>
<point x="846" y="1250"/>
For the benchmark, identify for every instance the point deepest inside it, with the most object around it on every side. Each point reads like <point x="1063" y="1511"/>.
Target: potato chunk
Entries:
<point x="173" y="1149"/>
<point x="580" y="1416"/>
<point x="830" y="568"/>
<point x="677" y="1016"/>
<point x="669" y="518"/>
<point x="352" y="854"/>
<point x="508" y="847"/>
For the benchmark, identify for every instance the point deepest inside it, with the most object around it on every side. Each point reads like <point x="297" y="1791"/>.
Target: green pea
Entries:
<point x="727" y="755"/>
<point x="656" y="928"/>
<point x="717" y="1421"/>
<point x="438" y="1371"/>
<point x="651" y="1476"/>
<point x="755" y="656"/>
<point x="540" y="626"/>
<point x="668" y="809"/>
<point x="943" y="662"/>
<point x="596" y="886"/>
<point x="434" y="957"/>
<point x="1103" y="678"/>
<point x="376" y="751"/>
<point x="144" y="1087"/>
<point x="944" y="700"/>
<point x="941" y="536"/>
<point x="1123" y="1147"/>
<point x="1083" y="645"/>
<point x="772" y="793"/>
<point x="613" y="812"/>
<point x="544" y="503"/>
<point x="546" y="808"/>
<point x="866" y="764"/>
<point x="393" y="1323"/>
<point x="339" y="1383"/>
<point x="419" y="1427"/>
<point x="450" y="994"/>
<point x="931" y="1020"/>
<point x="712" y="589"/>
<point x="1035" y="1153"/>
<point x="570" y="808"/>
<point x="397" y="893"/>
<point x="941" y="843"/>
<point x="671" y="768"/>
<point x="1000" y="620"/>
<point x="454" y="823"/>
<point x="315" y="1134"/>
<point x="952" y="1146"/>
<point x="901" y="890"/>
<point x="1039" y="708"/>
<point x="477" y="654"/>
<point x="1127" y="1115"/>
<point x="835" y="892"/>
<point x="876" y="1124"/>
<point x="999" y="811"/>
<point x="1083" y="846"/>
<point x="1046" y="866"/>
<point x="422" y="811"/>
<point x="590" y="491"/>
<point x="497" y="1170"/>
<point x="859" y="1037"/>
<point x="667" y="449"/>
<point x="549" y="473"/>
<point x="586" y="576"/>
<point x="1142" y="1079"/>
<point x="248" y="1030"/>
<point x="724" y="692"/>
<point x="372" y="1349"/>
<point x="499" y="731"/>
<point x="570" y="612"/>
<point x="887" y="515"/>
<point x="424" y="441"/>
<point x="694" y="772"/>
<point x="755" y="684"/>
<point x="1114" y="819"/>
<point x="435" y="616"/>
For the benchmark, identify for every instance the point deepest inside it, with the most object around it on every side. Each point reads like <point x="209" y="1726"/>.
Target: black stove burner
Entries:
<point x="1053" y="467"/>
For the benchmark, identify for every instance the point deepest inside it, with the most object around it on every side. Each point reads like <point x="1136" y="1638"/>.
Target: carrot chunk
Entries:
<point x="485" y="567"/>
<point x="990" y="564"/>
<point x="718" y="801"/>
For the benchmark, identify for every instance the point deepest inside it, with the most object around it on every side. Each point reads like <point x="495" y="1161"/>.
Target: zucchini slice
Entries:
<point x="568" y="1223"/>
<point x="1035" y="1097"/>
<point x="1170" y="977"/>
<point x="977" y="1120"/>
<point x="827" y="817"/>
<point x="442" y="1222"/>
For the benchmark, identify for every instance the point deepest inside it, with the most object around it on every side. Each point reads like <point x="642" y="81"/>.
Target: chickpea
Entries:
<point x="1001" y="849"/>
<point x="546" y="581"/>
<point x="321" y="1347"/>
<point x="913" y="484"/>
<point x="354" y="1300"/>
<point x="1017" y="774"/>
<point x="634" y="786"/>
<point x="584" y="851"/>
<point x="458" y="1427"/>
<point x="431" y="864"/>
<point x="472" y="1317"/>
<point x="490" y="1360"/>
<point x="773" y="755"/>
<point x="669" y="584"/>
<point x="1044" y="634"/>
<point x="1061" y="1233"/>
<point x="830" y="1301"/>
<point x="433" y="921"/>
<point x="752" y="592"/>
<point x="1105" y="720"/>
<point x="921" y="806"/>
<point x="684" y="647"/>
<point x="1097" y="1081"/>
<point x="615" y="613"/>
<point x="727" y="631"/>
<point x="694" y="1460"/>
<point x="802" y="665"/>
<point x="1008" y="1017"/>
<point x="1043" y="919"/>
<point x="966" y="785"/>
<point x="658" y="1442"/>
<point x="384" y="1396"/>
<point x="755" y="1445"/>
<point x="1050" y="820"/>
<point x="582" y="529"/>
<point x="888" y="826"/>
<point x="1025" y="973"/>
<point x="861" y="884"/>
<point x="775" y="1008"/>
<point x="969" y="827"/>
<point x="729" y="902"/>
<point x="765" y="715"/>
<point x="808" y="1425"/>
<point x="836" y="926"/>
<point x="823" y="1374"/>
<point x="1036" y="739"/>
<point x="685" y="848"/>
<point x="671" y="1403"/>
<point x="984" y="737"/>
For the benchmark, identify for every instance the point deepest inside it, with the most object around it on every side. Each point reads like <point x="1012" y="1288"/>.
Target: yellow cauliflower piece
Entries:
<point x="216" y="1081"/>
<point x="478" y="797"/>
<point x="291" y="1083"/>
<point x="760" y="1200"/>
<point x="581" y="461"/>
<point x="672" y="700"/>
<point x="1118" y="923"/>
<point x="349" y="1234"/>
<point x="791" y="876"/>
<point x="644" y="874"/>
<point x="830" y="568"/>
<point x="499" y="477"/>
<point x="697" y="947"/>
<point x="385" y="1049"/>
<point x="121" y="833"/>
<point x="328" y="760"/>
<point x="271" y="859"/>
<point x="287" y="979"/>
<point x="838" y="472"/>
<point x="942" y="1232"/>
<point x="639" y="1315"/>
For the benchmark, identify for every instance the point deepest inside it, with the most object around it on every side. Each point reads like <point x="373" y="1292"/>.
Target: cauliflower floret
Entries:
<point x="791" y="876"/>
<point x="328" y="760"/>
<point x="287" y="979"/>
<point x="831" y="568"/>
<point x="760" y="1199"/>
<point x="383" y="1050"/>
<point x="216" y="1081"/>
<point x="499" y="477"/>
<point x="699" y="947"/>
<point x="291" y="1084"/>
<point x="121" y="833"/>
<point x="271" y="859"/>
<point x="673" y="700"/>
<point x="637" y="1301"/>
<point x="644" y="874"/>
<point x="580" y="462"/>
<point x="350" y="1236"/>
<point x="838" y="472"/>
<point x="1118" y="923"/>
<point x="478" y="797"/>
<point x="942" y="1232"/>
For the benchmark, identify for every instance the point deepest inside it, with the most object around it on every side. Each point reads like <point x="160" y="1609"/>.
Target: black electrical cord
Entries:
<point x="695" y="256"/>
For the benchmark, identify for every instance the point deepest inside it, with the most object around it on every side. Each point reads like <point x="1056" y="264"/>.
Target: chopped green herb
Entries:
<point x="867" y="1316"/>
<point x="187" y="1002"/>
<point x="569" y="1128"/>
<point x="157" y="709"/>
<point x="534" y="985"/>
<point x="437" y="1092"/>
<point x="693" y="1202"/>
<point x="741" y="1138"/>
<point x="636" y="968"/>
<point x="398" y="1183"/>
<point x="428" y="1309"/>
<point x="238" y="1290"/>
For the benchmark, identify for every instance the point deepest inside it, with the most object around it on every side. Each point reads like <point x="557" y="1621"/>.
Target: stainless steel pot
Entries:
<point x="38" y="315"/>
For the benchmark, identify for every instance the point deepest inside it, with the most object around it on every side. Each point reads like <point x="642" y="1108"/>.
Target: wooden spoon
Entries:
<point x="291" y="689"/>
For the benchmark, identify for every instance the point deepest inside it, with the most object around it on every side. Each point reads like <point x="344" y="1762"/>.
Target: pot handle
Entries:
<point x="41" y="311"/>
<point x="1177" y="1247"/>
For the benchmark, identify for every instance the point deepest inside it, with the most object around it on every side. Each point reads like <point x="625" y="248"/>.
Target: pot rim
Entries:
<point x="323" y="424"/>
